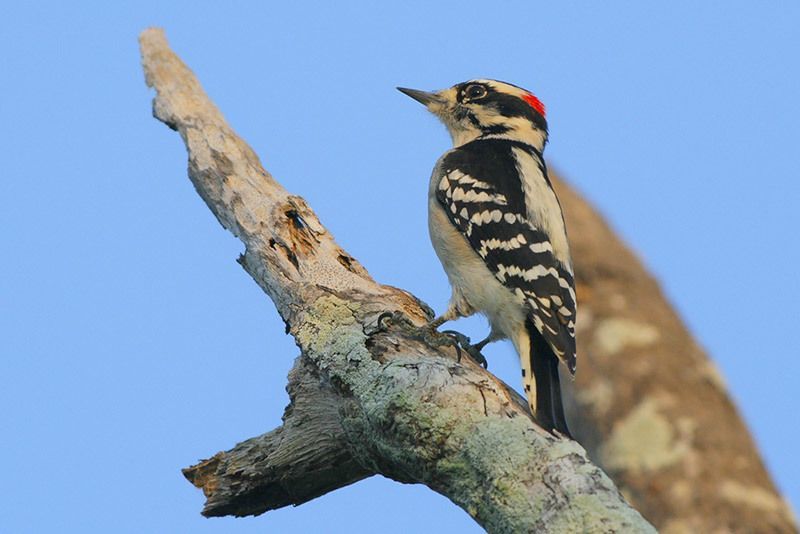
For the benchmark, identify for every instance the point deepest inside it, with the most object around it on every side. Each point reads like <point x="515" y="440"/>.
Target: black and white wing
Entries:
<point x="481" y="191"/>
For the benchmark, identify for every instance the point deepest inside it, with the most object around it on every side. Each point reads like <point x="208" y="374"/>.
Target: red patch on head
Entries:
<point x="535" y="103"/>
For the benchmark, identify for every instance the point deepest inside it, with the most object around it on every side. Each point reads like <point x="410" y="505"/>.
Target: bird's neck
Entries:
<point x="518" y="131"/>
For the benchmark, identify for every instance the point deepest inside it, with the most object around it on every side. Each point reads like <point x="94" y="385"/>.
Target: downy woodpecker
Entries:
<point x="497" y="227"/>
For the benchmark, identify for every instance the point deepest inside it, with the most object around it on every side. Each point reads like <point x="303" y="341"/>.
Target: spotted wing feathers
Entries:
<point x="488" y="207"/>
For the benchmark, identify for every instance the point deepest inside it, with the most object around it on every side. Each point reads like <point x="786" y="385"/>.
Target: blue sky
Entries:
<point x="133" y="344"/>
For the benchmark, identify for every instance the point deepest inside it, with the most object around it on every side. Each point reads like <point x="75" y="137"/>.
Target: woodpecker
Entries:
<point x="498" y="230"/>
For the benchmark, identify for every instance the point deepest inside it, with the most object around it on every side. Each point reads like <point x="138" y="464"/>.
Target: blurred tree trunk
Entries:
<point x="648" y="403"/>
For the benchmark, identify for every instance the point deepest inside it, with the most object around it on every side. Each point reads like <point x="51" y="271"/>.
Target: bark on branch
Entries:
<point x="299" y="461"/>
<point x="365" y="399"/>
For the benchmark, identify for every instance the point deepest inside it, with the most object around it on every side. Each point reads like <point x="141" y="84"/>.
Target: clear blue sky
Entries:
<point x="132" y="342"/>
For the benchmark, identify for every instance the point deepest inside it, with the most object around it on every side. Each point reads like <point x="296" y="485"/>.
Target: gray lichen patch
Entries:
<point x="644" y="441"/>
<point x="593" y="518"/>
<point x="324" y="323"/>
<point x="509" y="482"/>
<point x="331" y="336"/>
<point x="554" y="483"/>
<point x="617" y="333"/>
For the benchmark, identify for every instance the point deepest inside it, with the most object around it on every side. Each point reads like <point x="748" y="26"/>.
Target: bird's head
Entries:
<point x="487" y="108"/>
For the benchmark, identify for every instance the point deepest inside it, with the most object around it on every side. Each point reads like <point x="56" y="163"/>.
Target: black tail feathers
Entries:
<point x="544" y="365"/>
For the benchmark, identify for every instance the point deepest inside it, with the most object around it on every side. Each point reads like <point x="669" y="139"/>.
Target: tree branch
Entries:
<point x="299" y="461"/>
<point x="395" y="404"/>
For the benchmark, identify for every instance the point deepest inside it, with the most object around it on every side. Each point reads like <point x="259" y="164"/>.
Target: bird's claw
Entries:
<point x="388" y="318"/>
<point x="463" y="342"/>
<point x="432" y="336"/>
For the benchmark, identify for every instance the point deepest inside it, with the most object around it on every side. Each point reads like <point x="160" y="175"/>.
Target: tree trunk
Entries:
<point x="650" y="406"/>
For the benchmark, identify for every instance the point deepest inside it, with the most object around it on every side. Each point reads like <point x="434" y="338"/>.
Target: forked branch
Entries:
<point x="367" y="398"/>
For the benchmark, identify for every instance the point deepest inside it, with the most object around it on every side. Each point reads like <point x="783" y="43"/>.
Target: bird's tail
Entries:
<point x="542" y="384"/>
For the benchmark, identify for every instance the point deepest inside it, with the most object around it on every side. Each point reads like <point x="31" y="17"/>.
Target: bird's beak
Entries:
<point x="423" y="97"/>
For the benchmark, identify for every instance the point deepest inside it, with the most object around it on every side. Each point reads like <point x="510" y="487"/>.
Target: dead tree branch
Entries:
<point x="365" y="399"/>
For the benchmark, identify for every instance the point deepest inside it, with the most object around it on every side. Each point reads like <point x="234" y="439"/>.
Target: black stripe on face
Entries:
<point x="462" y="112"/>
<point x="511" y="106"/>
<point x="505" y="104"/>
<point x="497" y="129"/>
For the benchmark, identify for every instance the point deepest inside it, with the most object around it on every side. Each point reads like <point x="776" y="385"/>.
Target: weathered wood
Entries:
<point x="395" y="403"/>
<point x="304" y="458"/>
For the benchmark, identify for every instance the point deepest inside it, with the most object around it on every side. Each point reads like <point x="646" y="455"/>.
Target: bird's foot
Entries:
<point x="429" y="334"/>
<point x="473" y="351"/>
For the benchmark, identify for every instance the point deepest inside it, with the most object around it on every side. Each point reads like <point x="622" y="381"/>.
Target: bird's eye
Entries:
<point x="474" y="92"/>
